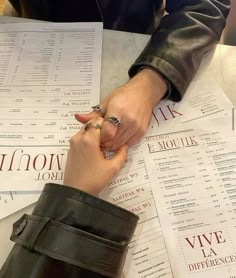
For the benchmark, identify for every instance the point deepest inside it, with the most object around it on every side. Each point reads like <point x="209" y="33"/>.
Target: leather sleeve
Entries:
<point x="70" y="234"/>
<point x="176" y="47"/>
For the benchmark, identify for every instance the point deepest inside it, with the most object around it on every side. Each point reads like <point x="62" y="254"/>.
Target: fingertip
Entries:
<point x="81" y="118"/>
<point x="84" y="118"/>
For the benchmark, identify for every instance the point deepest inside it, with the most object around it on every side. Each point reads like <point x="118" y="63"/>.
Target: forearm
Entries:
<point x="152" y="84"/>
<point x="73" y="232"/>
<point x="177" y="46"/>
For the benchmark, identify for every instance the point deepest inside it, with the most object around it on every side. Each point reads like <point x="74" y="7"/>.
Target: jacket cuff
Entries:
<point x="76" y="228"/>
<point x="76" y="208"/>
<point x="176" y="84"/>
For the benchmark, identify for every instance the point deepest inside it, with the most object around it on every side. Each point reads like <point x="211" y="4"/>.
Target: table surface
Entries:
<point x="119" y="51"/>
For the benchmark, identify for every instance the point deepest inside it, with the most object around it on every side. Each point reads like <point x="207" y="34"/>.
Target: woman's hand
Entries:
<point x="86" y="168"/>
<point x="132" y="104"/>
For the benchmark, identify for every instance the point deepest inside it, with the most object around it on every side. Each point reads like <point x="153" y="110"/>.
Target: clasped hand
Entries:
<point x="132" y="105"/>
<point x="86" y="168"/>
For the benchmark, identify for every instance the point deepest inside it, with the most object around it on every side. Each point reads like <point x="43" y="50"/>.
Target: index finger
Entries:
<point x="92" y="129"/>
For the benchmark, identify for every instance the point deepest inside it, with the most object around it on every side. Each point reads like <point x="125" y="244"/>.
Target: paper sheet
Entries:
<point x="193" y="178"/>
<point x="228" y="69"/>
<point x="131" y="188"/>
<point x="203" y="99"/>
<point x="192" y="171"/>
<point x="147" y="256"/>
<point x="13" y="201"/>
<point x="48" y="73"/>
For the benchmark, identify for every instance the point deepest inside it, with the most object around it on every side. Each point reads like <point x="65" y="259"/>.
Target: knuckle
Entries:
<point x="100" y="119"/>
<point x="73" y="141"/>
<point x="86" y="141"/>
<point x="114" y="169"/>
<point x="134" y="121"/>
<point x="108" y="134"/>
<point x="142" y="131"/>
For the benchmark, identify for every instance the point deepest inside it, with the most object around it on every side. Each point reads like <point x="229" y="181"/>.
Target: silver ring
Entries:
<point x="113" y="120"/>
<point x="97" y="108"/>
<point x="97" y="126"/>
<point x="89" y="124"/>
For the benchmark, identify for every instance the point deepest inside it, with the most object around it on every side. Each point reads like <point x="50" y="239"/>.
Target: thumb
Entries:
<point x="119" y="158"/>
<point x="84" y="118"/>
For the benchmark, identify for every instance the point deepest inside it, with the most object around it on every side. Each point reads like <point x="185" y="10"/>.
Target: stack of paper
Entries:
<point x="137" y="186"/>
<point x="180" y="180"/>
<point x="191" y="163"/>
<point x="48" y="72"/>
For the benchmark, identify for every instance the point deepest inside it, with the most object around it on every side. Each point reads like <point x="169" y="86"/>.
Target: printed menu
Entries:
<point x="133" y="190"/>
<point x="48" y="73"/>
<point x="180" y="180"/>
<point x="192" y="171"/>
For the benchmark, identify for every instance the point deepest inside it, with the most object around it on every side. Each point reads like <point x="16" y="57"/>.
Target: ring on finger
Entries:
<point x="97" y="126"/>
<point x="97" y="108"/>
<point x="113" y="120"/>
<point x="89" y="124"/>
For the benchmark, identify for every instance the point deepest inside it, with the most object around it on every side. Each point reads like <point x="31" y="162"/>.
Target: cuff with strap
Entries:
<point x="68" y="244"/>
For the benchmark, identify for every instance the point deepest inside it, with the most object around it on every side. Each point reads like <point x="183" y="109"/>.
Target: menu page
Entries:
<point x="192" y="171"/>
<point x="130" y="189"/>
<point x="12" y="201"/>
<point x="48" y="73"/>
<point x="147" y="255"/>
<point x="204" y="99"/>
<point x="228" y="68"/>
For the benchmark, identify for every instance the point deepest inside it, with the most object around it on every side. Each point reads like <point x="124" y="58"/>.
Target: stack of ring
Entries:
<point x="97" y="108"/>
<point x="89" y="124"/>
<point x="113" y="120"/>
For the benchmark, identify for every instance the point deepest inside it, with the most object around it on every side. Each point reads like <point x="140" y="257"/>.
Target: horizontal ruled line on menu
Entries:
<point x="130" y="188"/>
<point x="142" y="201"/>
<point x="170" y="133"/>
<point x="46" y="85"/>
<point x="61" y="119"/>
<point x="51" y="30"/>
<point x="204" y="116"/>
<point x="25" y="146"/>
<point x="20" y="132"/>
<point x="141" y="222"/>
<point x="150" y="230"/>
<point x="45" y="107"/>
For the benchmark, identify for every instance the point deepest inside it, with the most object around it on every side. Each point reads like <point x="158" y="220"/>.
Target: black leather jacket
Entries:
<point x="178" y="41"/>
<point x="70" y="234"/>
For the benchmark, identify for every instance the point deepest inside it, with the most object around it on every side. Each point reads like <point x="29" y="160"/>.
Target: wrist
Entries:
<point x="87" y="189"/>
<point x="152" y="83"/>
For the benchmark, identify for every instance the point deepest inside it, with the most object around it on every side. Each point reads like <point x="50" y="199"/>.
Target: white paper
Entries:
<point x="131" y="188"/>
<point x="192" y="170"/>
<point x="228" y="69"/>
<point x="13" y="201"/>
<point x="48" y="73"/>
<point x="147" y="254"/>
<point x="203" y="99"/>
